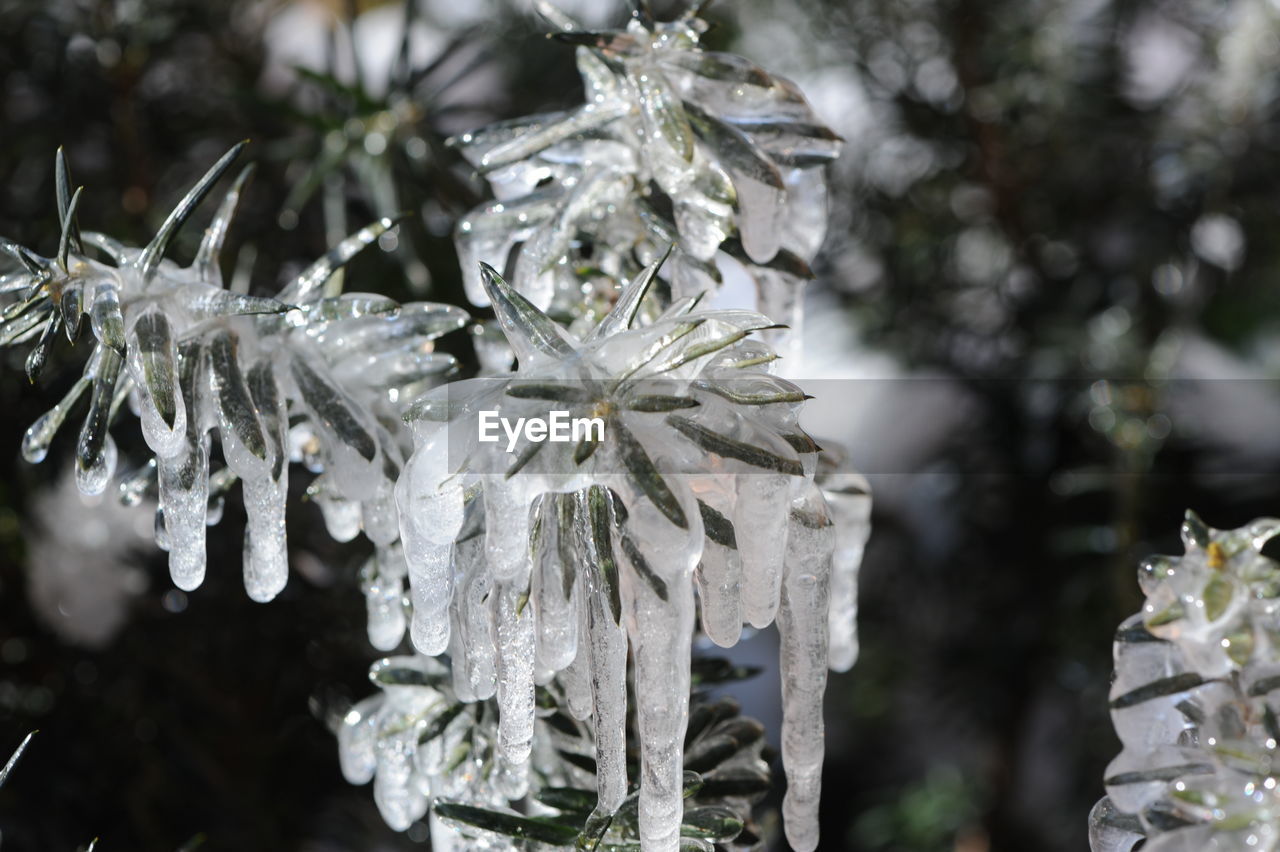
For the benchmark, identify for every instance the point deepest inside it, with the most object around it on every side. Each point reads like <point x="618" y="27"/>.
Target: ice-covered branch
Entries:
<point x="1194" y="701"/>
<point x="674" y="144"/>
<point x="305" y="376"/>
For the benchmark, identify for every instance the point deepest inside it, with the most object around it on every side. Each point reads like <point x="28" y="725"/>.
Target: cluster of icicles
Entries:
<point x="1195" y="701"/>
<point x="555" y="560"/>
<point x="675" y="144"/>
<point x="194" y="359"/>
<point x="702" y="505"/>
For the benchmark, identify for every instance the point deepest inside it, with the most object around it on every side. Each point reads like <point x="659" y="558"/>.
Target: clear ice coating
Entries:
<point x="674" y="144"/>
<point x="547" y="562"/>
<point x="200" y="361"/>
<point x="1194" y="701"/>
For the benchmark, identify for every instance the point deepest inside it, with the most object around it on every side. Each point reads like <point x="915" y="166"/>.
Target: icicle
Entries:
<point x="383" y="585"/>
<point x="249" y="451"/>
<point x="478" y="641"/>
<point x="429" y="518"/>
<point x="243" y="442"/>
<point x="609" y="697"/>
<point x="431" y="587"/>
<point x="266" y="565"/>
<point x="780" y="297"/>
<point x="459" y="654"/>
<point x="506" y="540"/>
<point x="655" y="570"/>
<point x="554" y="588"/>
<point x="759" y="212"/>
<point x="153" y="363"/>
<point x="266" y="551"/>
<point x="759" y="522"/>
<point x="802" y="626"/>
<point x="95" y="451"/>
<point x="575" y="679"/>
<point x="849" y="498"/>
<point x="511" y="781"/>
<point x="804" y="223"/>
<point x="719" y="577"/>
<point x="183" y="481"/>
<point x="184" y="496"/>
<point x="513" y="636"/>
<point x="661" y="632"/>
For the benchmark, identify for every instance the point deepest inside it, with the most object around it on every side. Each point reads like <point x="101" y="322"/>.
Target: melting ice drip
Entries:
<point x="675" y="144"/>
<point x="555" y="560"/>
<point x="194" y="358"/>
<point x="1195" y="699"/>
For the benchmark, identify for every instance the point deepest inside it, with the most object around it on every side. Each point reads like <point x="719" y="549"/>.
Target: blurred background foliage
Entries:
<point x="1046" y="322"/>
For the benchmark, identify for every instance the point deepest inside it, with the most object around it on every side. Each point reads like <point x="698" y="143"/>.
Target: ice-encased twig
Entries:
<point x="199" y="360"/>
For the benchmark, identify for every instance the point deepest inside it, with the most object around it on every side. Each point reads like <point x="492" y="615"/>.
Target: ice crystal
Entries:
<point x="561" y="557"/>
<point x="848" y="496"/>
<point x="195" y="358"/>
<point x="1194" y="701"/>
<point x="674" y="144"/>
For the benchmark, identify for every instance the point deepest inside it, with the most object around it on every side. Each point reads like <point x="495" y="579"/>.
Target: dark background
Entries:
<point x="1040" y="202"/>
